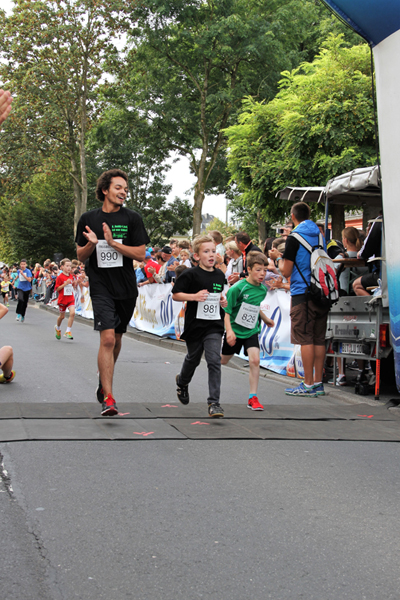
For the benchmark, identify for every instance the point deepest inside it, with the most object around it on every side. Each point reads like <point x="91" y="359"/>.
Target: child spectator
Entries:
<point x="5" y="288"/>
<point x="185" y="259"/>
<point x="243" y="321"/>
<point x="66" y="299"/>
<point x="6" y="356"/>
<point x="201" y="287"/>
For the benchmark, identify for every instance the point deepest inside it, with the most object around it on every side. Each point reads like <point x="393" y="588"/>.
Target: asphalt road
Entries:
<point x="182" y="519"/>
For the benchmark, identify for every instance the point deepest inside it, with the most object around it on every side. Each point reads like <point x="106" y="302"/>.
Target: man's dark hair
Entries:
<point x="103" y="182"/>
<point x="301" y="211"/>
<point x="242" y="237"/>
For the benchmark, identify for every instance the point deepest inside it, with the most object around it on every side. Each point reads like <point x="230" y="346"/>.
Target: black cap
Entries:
<point x="166" y="250"/>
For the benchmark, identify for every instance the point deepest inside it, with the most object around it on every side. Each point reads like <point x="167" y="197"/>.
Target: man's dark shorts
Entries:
<point x="311" y="329"/>
<point x="370" y="279"/>
<point x="109" y="313"/>
<point x="251" y="342"/>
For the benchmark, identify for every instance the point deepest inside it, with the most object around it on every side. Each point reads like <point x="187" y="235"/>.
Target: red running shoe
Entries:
<point x="254" y="404"/>
<point x="109" y="407"/>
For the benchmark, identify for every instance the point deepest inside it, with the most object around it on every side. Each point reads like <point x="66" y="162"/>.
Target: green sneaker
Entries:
<point x="58" y="332"/>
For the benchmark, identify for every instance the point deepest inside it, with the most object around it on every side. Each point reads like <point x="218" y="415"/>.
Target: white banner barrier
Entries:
<point x="157" y="313"/>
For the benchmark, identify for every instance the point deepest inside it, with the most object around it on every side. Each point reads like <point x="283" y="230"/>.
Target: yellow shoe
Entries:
<point x="3" y="379"/>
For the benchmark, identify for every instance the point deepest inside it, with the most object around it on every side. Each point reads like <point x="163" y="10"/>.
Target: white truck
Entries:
<point x="358" y="326"/>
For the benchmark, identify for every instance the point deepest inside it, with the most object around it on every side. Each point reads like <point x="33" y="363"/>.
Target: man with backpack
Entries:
<point x="313" y="288"/>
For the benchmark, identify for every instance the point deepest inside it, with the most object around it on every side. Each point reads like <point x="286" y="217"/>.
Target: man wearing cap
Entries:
<point x="150" y="268"/>
<point x="166" y="254"/>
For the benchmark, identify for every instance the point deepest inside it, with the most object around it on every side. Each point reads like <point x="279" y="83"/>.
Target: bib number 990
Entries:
<point x="107" y="257"/>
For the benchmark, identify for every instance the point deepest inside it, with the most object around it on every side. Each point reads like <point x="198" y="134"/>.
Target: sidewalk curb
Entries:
<point x="235" y="363"/>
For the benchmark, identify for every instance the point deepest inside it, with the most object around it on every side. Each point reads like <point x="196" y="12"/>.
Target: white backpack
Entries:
<point x="323" y="288"/>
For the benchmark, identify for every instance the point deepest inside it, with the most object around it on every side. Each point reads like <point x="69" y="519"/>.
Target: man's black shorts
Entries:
<point x="109" y="313"/>
<point x="251" y="342"/>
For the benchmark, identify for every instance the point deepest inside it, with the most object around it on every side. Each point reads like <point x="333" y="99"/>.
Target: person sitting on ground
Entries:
<point x="6" y="356"/>
<point x="371" y="248"/>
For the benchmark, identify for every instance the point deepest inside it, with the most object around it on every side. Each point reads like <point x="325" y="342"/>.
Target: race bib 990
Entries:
<point x="107" y="257"/>
<point x="209" y="309"/>
<point x="247" y="315"/>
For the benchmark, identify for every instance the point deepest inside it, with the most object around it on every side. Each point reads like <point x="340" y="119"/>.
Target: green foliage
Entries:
<point x="191" y="63"/>
<point x="125" y="140"/>
<point x="223" y="228"/>
<point x="54" y="73"/>
<point x="40" y="221"/>
<point x="319" y="125"/>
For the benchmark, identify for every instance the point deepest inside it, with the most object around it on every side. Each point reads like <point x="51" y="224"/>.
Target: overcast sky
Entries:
<point x="179" y="176"/>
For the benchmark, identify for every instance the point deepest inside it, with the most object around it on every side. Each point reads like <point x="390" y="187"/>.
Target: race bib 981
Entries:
<point x="209" y="309"/>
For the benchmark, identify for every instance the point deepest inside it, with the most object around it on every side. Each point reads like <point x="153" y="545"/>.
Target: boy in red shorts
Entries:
<point x="65" y="284"/>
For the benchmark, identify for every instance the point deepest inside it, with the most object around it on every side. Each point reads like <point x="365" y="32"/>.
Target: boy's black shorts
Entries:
<point x="251" y="342"/>
<point x="109" y="313"/>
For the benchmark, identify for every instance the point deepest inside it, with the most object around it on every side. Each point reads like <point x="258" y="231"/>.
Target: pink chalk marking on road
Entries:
<point x="169" y="406"/>
<point x="123" y="414"/>
<point x="366" y="416"/>
<point x="199" y="423"/>
<point x="143" y="433"/>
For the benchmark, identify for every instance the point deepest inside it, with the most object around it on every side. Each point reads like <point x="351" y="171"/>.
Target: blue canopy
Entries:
<point x="375" y="20"/>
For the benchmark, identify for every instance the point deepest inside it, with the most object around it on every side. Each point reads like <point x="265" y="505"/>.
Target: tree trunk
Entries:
<point x="338" y="221"/>
<point x="198" y="204"/>
<point x="77" y="193"/>
<point x="262" y="229"/>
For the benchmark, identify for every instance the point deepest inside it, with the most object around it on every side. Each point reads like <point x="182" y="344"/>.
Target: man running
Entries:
<point x="110" y="238"/>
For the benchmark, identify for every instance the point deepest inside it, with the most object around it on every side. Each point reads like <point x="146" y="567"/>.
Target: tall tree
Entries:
<point x="320" y="124"/>
<point x="126" y="140"/>
<point x="39" y="223"/>
<point x="192" y="62"/>
<point x="54" y="56"/>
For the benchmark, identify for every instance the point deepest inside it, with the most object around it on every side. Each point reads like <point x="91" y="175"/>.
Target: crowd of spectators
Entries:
<point x="43" y="281"/>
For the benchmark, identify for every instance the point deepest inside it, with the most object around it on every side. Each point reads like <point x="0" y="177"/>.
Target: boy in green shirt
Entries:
<point x="243" y="321"/>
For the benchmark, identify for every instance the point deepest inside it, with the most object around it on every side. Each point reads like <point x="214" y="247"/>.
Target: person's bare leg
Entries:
<point x="254" y="370"/>
<point x="6" y="360"/>
<point x="106" y="360"/>
<point x="60" y="319"/>
<point x="307" y="356"/>
<point x="117" y="346"/>
<point x="225" y="358"/>
<point x="71" y="316"/>
<point x="358" y="289"/>
<point x="319" y="359"/>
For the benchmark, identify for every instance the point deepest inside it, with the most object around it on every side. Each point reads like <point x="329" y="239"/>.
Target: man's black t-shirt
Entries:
<point x="110" y="272"/>
<point x="192" y="281"/>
